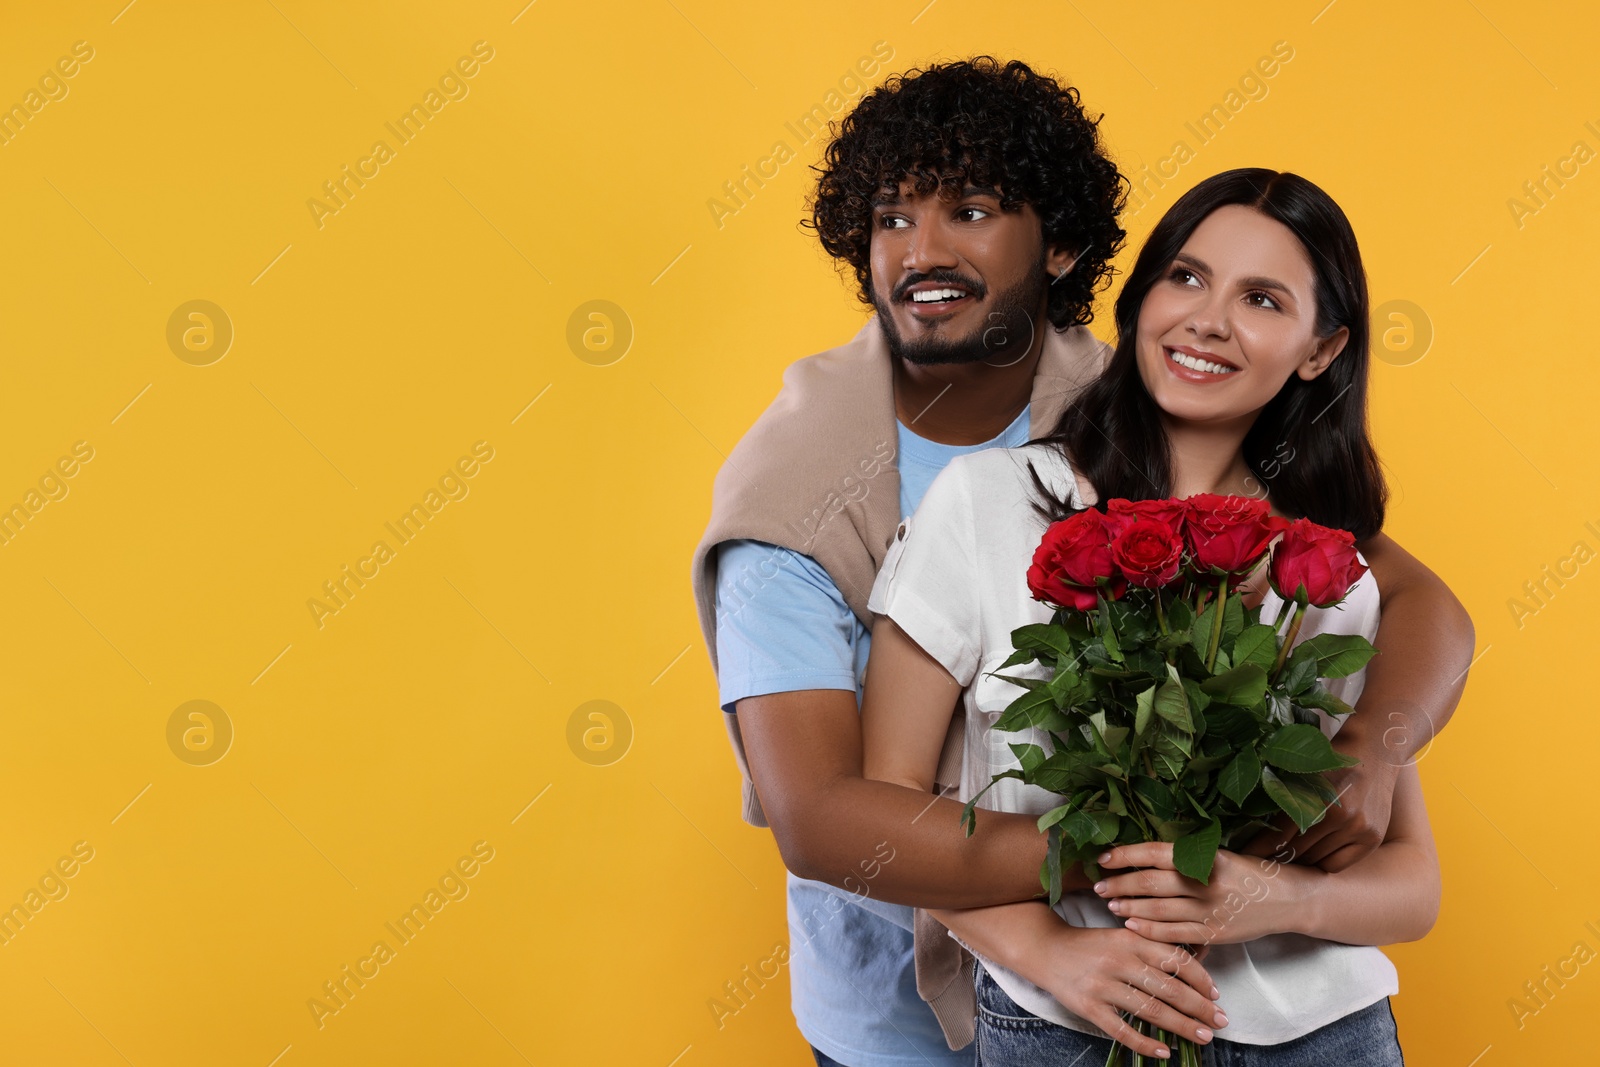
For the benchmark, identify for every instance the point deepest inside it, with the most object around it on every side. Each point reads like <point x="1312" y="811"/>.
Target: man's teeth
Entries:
<point x="931" y="296"/>
<point x="1183" y="359"/>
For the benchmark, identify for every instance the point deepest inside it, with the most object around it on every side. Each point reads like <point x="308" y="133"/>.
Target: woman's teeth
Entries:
<point x="1183" y="359"/>
<point x="931" y="296"/>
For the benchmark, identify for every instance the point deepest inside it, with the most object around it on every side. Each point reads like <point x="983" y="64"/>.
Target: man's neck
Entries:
<point x="965" y="403"/>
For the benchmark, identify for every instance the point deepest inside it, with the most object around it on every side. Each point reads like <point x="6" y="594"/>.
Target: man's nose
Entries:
<point x="930" y="248"/>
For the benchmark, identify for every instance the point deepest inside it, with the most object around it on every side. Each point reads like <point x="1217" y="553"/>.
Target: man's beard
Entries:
<point x="1004" y="336"/>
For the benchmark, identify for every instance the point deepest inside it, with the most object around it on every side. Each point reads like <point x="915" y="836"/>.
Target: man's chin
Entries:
<point x="935" y="346"/>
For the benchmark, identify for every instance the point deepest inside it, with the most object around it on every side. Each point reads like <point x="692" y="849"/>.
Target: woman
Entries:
<point x="1240" y="369"/>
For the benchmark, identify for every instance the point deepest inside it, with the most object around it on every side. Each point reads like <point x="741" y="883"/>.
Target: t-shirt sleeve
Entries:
<point x="928" y="583"/>
<point x="782" y="624"/>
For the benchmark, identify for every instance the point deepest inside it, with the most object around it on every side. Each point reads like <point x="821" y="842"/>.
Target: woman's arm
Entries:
<point x="1096" y="973"/>
<point x="1389" y="897"/>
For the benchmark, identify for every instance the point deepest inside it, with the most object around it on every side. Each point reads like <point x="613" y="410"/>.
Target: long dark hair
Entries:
<point x="1309" y="445"/>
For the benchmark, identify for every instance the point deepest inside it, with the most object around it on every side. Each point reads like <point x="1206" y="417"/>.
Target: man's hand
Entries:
<point x="1425" y="639"/>
<point x="1350" y="830"/>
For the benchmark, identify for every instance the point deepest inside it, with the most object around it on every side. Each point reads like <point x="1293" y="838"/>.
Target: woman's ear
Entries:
<point x="1322" y="357"/>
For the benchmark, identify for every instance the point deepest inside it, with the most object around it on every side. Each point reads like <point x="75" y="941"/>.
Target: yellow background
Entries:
<point x="432" y="710"/>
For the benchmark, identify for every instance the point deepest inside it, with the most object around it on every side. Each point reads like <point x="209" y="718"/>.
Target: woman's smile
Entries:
<point x="1193" y="365"/>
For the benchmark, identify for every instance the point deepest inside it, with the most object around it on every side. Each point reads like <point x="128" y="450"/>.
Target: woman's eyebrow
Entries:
<point x="1255" y="281"/>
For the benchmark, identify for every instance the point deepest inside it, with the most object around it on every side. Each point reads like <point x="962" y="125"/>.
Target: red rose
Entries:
<point x="1149" y="552"/>
<point x="1320" y="560"/>
<point x="1168" y="512"/>
<point x="1073" y="563"/>
<point x="1229" y="534"/>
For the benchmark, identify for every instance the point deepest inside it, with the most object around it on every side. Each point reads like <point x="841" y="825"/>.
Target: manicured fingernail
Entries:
<point x="1162" y="1053"/>
<point x="1133" y="924"/>
<point x="1100" y="887"/>
<point x="1202" y="1034"/>
<point x="1222" y="1020"/>
<point x="1216" y="994"/>
<point x="1114" y="905"/>
<point x="1105" y="857"/>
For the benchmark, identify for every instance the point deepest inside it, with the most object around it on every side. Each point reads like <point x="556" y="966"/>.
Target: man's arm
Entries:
<point x="787" y="649"/>
<point x="804" y="751"/>
<point x="1425" y="640"/>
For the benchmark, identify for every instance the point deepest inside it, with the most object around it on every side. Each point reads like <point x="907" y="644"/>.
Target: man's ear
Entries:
<point x="1060" y="260"/>
<point x="1322" y="358"/>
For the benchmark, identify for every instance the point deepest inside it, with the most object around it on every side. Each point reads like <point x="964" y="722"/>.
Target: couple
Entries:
<point x="979" y="213"/>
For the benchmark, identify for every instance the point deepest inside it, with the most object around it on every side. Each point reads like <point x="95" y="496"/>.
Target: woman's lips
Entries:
<point x="1190" y="374"/>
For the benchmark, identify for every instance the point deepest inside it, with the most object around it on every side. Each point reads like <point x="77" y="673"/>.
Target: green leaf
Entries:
<point x="1066" y="688"/>
<point x="1029" y="684"/>
<point x="1296" y="797"/>
<point x="1114" y="802"/>
<point x="1171" y="742"/>
<point x="1044" y="637"/>
<point x="1085" y="827"/>
<point x="1157" y="797"/>
<point x="1030" y="756"/>
<point x="1198" y="700"/>
<point x="1021" y="655"/>
<point x="1108" y="632"/>
<point x="1034" y="708"/>
<point x="1193" y="854"/>
<point x="1256" y="644"/>
<point x="1300" y="672"/>
<point x="1167" y="766"/>
<point x="1051" y="875"/>
<point x="1172" y="703"/>
<point x="1318" y="697"/>
<point x="1339" y="654"/>
<point x="1180" y="616"/>
<point x="1232" y="618"/>
<point x="1242" y="686"/>
<point x="1200" y="635"/>
<point x="1055" y="815"/>
<point x="1240" y="776"/>
<point x="1302" y="749"/>
<point x="1144" y="706"/>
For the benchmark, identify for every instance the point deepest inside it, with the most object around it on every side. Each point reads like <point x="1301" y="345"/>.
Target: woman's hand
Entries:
<point x="1096" y="973"/>
<point x="1247" y="897"/>
<point x="1099" y="973"/>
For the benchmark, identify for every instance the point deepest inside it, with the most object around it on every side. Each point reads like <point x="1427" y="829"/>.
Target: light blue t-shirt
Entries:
<point x="783" y="626"/>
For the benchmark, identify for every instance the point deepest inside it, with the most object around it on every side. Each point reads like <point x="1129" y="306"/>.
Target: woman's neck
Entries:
<point x="1209" y="458"/>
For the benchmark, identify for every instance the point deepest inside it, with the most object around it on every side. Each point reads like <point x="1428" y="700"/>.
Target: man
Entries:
<point x="978" y="211"/>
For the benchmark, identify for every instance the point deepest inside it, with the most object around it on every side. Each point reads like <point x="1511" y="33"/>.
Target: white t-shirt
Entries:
<point x="956" y="581"/>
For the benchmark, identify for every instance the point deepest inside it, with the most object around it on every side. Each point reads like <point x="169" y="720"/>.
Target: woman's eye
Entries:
<point x="1261" y="300"/>
<point x="1183" y="276"/>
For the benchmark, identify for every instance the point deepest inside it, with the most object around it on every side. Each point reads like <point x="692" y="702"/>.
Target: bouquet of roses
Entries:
<point x="1174" y="713"/>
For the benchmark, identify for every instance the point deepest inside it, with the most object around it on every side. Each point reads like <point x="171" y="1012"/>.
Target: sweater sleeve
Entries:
<point x="928" y="583"/>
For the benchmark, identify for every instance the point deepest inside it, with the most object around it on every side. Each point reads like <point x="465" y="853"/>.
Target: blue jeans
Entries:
<point x="1011" y="1036"/>
<point x="823" y="1059"/>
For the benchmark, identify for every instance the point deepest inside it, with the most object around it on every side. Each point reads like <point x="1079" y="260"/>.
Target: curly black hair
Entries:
<point x="977" y="122"/>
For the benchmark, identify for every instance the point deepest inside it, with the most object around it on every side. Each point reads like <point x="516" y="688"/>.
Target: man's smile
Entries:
<point x="936" y="301"/>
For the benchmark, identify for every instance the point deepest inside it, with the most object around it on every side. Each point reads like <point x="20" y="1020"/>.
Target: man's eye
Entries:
<point x="892" y="222"/>
<point x="971" y="214"/>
